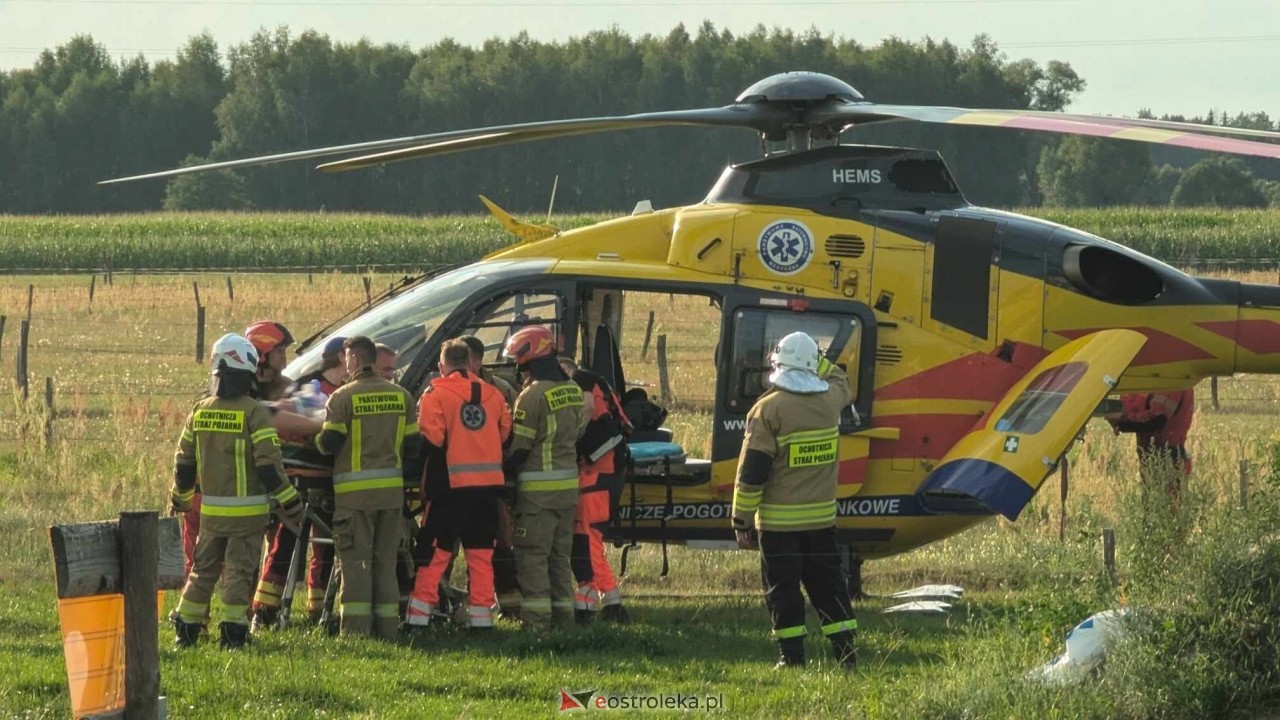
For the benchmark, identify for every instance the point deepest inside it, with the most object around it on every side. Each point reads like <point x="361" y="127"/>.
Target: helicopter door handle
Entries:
<point x="835" y="274"/>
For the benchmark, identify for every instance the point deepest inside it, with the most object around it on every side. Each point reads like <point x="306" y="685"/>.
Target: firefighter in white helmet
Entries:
<point x="229" y="445"/>
<point x="787" y="475"/>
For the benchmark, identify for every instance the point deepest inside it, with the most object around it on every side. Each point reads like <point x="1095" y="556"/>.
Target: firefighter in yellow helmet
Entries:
<point x="550" y="415"/>
<point x="371" y="429"/>
<point x="229" y="445"/>
<point x="786" y="481"/>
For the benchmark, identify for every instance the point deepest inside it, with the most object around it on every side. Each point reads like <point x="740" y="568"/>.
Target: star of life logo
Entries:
<point x="473" y="416"/>
<point x="786" y="247"/>
<point x="597" y="700"/>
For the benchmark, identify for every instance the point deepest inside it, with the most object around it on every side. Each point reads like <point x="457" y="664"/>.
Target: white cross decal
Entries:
<point x="1011" y="444"/>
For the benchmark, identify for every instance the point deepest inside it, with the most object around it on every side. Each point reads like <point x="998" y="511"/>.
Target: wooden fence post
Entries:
<point x="93" y="284"/>
<point x="31" y="292"/>
<point x="664" y="382"/>
<point x="368" y="291"/>
<point x="49" y="412"/>
<point x="311" y="263"/>
<point x="231" y="291"/>
<point x="24" y="334"/>
<point x="1213" y="391"/>
<point x="1062" y="492"/>
<point x="1109" y="551"/>
<point x="199" y="324"/>
<point x="2" y="319"/>
<point x="200" y="334"/>
<point x="139" y="555"/>
<point x="648" y="333"/>
<point x="1244" y="484"/>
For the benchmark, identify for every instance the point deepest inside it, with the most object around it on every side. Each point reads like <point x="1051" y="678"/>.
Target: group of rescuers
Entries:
<point x="517" y="479"/>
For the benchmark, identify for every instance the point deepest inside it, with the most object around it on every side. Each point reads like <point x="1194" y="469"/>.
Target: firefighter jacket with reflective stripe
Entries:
<point x="228" y="440"/>
<point x="375" y="416"/>
<point x="790" y="457"/>
<point x="469" y="421"/>
<point x="549" y="417"/>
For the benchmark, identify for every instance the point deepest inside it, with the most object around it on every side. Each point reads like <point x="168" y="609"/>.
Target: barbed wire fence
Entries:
<point x="673" y="357"/>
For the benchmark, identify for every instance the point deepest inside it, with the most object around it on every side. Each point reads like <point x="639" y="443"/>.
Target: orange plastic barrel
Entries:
<point x="93" y="643"/>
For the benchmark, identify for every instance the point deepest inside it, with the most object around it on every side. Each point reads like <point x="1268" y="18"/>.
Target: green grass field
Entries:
<point x="1207" y="584"/>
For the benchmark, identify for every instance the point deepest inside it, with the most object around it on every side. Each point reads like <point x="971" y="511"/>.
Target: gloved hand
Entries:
<point x="824" y="367"/>
<point x="293" y="512"/>
<point x="178" y="506"/>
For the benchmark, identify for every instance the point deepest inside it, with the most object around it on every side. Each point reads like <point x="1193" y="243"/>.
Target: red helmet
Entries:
<point x="266" y="336"/>
<point x="530" y="343"/>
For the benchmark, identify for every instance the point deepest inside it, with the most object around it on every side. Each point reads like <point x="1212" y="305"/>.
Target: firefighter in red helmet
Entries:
<point x="550" y="416"/>
<point x="270" y="339"/>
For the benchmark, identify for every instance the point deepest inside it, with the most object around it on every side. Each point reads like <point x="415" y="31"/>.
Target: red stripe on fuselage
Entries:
<point x="1161" y="347"/>
<point x="972" y="377"/>
<point x="852" y="472"/>
<point x="927" y="436"/>
<point x="1260" y="337"/>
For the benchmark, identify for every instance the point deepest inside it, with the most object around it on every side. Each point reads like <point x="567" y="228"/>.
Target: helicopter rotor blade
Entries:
<point x="1161" y="132"/>
<point x="756" y="116"/>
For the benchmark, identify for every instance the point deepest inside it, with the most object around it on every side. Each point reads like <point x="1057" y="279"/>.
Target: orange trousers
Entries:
<point x="596" y="581"/>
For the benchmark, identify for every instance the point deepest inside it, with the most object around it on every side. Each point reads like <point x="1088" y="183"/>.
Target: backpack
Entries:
<point x="610" y="430"/>
<point x="643" y="413"/>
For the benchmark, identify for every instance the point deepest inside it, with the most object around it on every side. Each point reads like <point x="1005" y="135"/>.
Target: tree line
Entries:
<point x="77" y="116"/>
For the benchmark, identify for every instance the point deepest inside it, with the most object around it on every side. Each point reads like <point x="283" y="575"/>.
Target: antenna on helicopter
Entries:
<point x="551" y="205"/>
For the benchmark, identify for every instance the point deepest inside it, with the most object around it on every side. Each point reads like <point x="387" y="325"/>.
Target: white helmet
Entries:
<point x="796" y="351"/>
<point x="233" y="352"/>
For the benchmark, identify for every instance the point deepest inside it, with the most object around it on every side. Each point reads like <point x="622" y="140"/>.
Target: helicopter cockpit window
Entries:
<point x="756" y="333"/>
<point x="495" y="322"/>
<point x="1036" y="405"/>
<point x="406" y="322"/>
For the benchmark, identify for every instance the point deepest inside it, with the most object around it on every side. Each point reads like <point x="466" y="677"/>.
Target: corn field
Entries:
<point x="347" y="241"/>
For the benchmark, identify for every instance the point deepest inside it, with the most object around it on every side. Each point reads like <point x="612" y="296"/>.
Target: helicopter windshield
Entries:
<point x="407" y="322"/>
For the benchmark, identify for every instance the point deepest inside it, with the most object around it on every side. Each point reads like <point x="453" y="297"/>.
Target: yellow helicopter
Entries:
<point x="980" y="341"/>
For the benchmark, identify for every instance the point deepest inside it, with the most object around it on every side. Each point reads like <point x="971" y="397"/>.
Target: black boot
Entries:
<point x="790" y="653"/>
<point x="842" y="647"/>
<point x="583" y="617"/>
<point x="265" y="618"/>
<point x="233" y="635"/>
<point x="615" y="614"/>
<point x="185" y="633"/>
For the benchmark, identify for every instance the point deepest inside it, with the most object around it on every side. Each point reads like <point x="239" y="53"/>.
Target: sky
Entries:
<point x="1169" y="56"/>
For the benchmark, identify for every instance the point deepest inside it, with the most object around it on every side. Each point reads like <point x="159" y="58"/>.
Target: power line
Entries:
<point x="1199" y="40"/>
<point x="1026" y="44"/>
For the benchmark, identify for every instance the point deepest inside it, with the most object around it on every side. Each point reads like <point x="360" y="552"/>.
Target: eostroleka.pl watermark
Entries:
<point x="597" y="700"/>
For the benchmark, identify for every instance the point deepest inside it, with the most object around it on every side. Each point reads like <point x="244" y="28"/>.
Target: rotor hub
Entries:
<point x="805" y="88"/>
